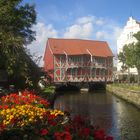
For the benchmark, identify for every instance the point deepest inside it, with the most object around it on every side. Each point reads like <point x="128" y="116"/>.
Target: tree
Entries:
<point x="130" y="56"/>
<point x="16" y="21"/>
<point x="136" y="55"/>
<point x="16" y="32"/>
<point x="122" y="58"/>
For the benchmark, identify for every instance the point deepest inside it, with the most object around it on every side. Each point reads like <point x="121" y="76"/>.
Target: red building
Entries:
<point x="76" y="60"/>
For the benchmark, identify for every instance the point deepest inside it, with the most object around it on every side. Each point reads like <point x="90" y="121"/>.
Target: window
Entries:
<point x="127" y="36"/>
<point x="93" y="72"/>
<point x="102" y="72"/>
<point x="131" y="35"/>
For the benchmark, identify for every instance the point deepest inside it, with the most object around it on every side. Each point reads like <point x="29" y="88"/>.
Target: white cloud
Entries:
<point x="84" y="20"/>
<point x="111" y="33"/>
<point x="100" y="35"/>
<point x="82" y="28"/>
<point x="100" y="22"/>
<point x="43" y="32"/>
<point x="91" y="19"/>
<point x="117" y="32"/>
<point x="79" y="31"/>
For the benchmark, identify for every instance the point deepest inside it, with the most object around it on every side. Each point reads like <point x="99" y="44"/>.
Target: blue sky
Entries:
<point x="85" y="19"/>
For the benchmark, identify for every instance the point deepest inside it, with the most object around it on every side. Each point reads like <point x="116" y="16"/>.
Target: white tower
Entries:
<point x="126" y="37"/>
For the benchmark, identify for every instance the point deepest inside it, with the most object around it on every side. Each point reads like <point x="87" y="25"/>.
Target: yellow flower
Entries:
<point x="26" y="114"/>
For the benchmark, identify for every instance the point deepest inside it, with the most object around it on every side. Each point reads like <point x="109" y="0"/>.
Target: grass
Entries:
<point x="49" y="89"/>
<point x="128" y="86"/>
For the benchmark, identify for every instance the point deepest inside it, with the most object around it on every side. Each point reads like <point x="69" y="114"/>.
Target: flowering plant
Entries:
<point x="81" y="129"/>
<point x="28" y="120"/>
<point x="26" y="97"/>
<point x="27" y="116"/>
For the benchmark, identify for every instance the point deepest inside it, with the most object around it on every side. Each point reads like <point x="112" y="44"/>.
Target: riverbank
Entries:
<point x="131" y="96"/>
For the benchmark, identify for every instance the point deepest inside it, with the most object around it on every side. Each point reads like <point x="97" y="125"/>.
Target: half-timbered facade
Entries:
<point x="76" y="60"/>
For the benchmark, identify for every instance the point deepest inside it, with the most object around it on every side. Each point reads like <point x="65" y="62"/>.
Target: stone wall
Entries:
<point x="128" y="95"/>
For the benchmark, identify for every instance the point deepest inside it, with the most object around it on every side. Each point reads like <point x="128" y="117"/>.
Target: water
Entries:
<point x="118" y="118"/>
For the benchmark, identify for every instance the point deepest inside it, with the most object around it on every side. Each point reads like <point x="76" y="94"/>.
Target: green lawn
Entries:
<point x="127" y="86"/>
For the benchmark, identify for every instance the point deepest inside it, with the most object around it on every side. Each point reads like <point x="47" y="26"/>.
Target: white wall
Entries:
<point x="126" y="37"/>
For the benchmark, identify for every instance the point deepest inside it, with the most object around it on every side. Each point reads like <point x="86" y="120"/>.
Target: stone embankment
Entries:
<point x="130" y="96"/>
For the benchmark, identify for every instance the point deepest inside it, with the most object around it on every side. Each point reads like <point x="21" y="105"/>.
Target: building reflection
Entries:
<point x="118" y="118"/>
<point x="95" y="106"/>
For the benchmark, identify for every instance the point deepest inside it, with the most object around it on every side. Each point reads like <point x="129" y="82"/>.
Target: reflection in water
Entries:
<point x="118" y="118"/>
<point x="127" y="120"/>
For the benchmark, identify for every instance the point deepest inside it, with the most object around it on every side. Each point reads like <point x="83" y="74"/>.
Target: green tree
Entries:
<point x="136" y="55"/>
<point x="122" y="59"/>
<point x="130" y="56"/>
<point x="16" y="32"/>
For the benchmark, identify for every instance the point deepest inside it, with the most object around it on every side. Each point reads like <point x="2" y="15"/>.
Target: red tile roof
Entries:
<point x="79" y="47"/>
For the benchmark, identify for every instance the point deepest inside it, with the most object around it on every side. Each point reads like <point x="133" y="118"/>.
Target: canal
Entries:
<point x="120" y="119"/>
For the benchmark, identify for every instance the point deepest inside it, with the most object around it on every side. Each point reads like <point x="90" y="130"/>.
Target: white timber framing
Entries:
<point x="56" y="68"/>
<point x="91" y="59"/>
<point x="90" y="71"/>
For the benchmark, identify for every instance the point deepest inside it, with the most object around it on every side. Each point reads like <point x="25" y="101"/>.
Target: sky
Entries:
<point x="83" y="19"/>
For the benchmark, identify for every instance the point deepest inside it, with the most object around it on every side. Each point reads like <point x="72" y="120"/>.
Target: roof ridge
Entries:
<point x="79" y="46"/>
<point x="80" y="39"/>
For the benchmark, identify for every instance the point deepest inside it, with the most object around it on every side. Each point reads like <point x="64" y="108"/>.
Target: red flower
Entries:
<point x="44" y="132"/>
<point x="67" y="136"/>
<point x="2" y="127"/>
<point x="58" y="135"/>
<point x="14" y="121"/>
<point x="52" y="122"/>
<point x="84" y="132"/>
<point x="67" y="127"/>
<point x="5" y="106"/>
<point x="26" y="97"/>
<point x="44" y="102"/>
<point x="99" y="134"/>
<point x="51" y="117"/>
<point x="63" y="136"/>
<point x="109" y="138"/>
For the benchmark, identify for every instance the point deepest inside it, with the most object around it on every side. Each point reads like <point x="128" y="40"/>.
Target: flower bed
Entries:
<point x="26" y="97"/>
<point x="27" y="116"/>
